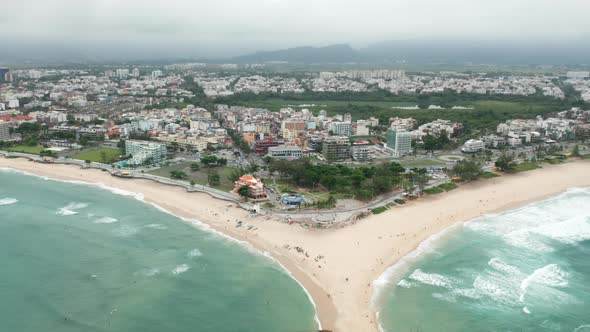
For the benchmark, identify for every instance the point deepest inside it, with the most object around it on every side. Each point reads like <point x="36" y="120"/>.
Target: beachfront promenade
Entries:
<point x="215" y="193"/>
<point x="333" y="216"/>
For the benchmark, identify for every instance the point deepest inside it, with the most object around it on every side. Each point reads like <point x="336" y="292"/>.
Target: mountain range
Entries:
<point x="422" y="51"/>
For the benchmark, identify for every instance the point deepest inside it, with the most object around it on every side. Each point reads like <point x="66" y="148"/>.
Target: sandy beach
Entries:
<point x="338" y="267"/>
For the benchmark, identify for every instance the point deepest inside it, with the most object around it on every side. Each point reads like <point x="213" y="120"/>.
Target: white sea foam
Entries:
<point x="126" y="231"/>
<point x="550" y="275"/>
<point x="525" y="238"/>
<point x="405" y="283"/>
<point x="105" y="220"/>
<point x="573" y="230"/>
<point x="432" y="279"/>
<point x="71" y="208"/>
<point x="150" y="272"/>
<point x="194" y="253"/>
<point x="448" y="297"/>
<point x="391" y="276"/>
<point x="582" y="328"/>
<point x="156" y="226"/>
<point x="180" y="269"/>
<point x="471" y="293"/>
<point x="536" y="227"/>
<point x="8" y="201"/>
<point x="495" y="289"/>
<point x="499" y="265"/>
<point x="66" y="212"/>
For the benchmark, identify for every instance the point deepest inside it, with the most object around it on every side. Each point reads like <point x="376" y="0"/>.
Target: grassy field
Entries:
<point x="434" y="191"/>
<point x="275" y="104"/>
<point x="102" y="155"/>
<point x="440" y="188"/>
<point x="26" y="149"/>
<point x="526" y="166"/>
<point x="506" y="106"/>
<point x="200" y="176"/>
<point x="489" y="175"/>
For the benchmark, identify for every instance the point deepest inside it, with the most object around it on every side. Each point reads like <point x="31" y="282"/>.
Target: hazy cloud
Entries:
<point x="279" y="23"/>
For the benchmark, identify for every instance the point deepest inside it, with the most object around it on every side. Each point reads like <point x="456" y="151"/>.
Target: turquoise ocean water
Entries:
<point x="523" y="270"/>
<point x="75" y="257"/>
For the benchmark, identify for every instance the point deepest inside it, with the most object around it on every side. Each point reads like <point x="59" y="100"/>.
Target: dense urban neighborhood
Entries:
<point x="328" y="140"/>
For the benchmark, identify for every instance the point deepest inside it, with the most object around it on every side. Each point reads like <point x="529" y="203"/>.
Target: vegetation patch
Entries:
<point x="379" y="210"/>
<point x="218" y="177"/>
<point x="102" y="155"/>
<point x="26" y="149"/>
<point x="489" y="175"/>
<point x="421" y="163"/>
<point x="399" y="201"/>
<point x="526" y="166"/>
<point x="433" y="191"/>
<point x="448" y="186"/>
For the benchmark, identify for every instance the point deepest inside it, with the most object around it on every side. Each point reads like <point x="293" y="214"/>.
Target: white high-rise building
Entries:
<point x="156" y="73"/>
<point x="142" y="152"/>
<point x="341" y="128"/>
<point x="4" y="131"/>
<point x="400" y="141"/>
<point x="14" y="103"/>
<point x="135" y="72"/>
<point x="122" y="73"/>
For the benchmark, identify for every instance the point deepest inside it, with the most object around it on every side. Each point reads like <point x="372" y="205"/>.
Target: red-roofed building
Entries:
<point x="16" y="119"/>
<point x="257" y="192"/>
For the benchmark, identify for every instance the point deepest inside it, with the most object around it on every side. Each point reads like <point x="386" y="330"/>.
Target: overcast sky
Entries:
<point x="268" y="24"/>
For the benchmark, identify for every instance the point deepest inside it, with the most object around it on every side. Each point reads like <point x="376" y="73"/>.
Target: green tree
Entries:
<point x="177" y="174"/>
<point x="235" y="174"/>
<point x="467" y="170"/>
<point x="576" y="151"/>
<point x="213" y="179"/>
<point x="253" y="168"/>
<point x="505" y="162"/>
<point x="244" y="191"/>
<point x="421" y="180"/>
<point x="195" y="167"/>
<point x="121" y="146"/>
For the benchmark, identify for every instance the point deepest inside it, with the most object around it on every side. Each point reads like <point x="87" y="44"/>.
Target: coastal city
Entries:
<point x="173" y="122"/>
<point x="294" y="166"/>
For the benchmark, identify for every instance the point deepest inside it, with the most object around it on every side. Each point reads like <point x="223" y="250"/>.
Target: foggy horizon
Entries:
<point x="229" y="28"/>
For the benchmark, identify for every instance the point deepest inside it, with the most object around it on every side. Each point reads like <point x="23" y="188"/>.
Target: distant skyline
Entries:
<point x="225" y="28"/>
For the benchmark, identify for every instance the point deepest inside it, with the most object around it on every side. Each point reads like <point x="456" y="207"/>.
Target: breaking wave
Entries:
<point x="8" y="201"/>
<point x="105" y="220"/>
<point x="71" y="209"/>
<point x="182" y="268"/>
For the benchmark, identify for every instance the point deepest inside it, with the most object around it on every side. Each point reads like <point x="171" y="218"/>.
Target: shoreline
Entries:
<point x="339" y="268"/>
<point x="392" y="274"/>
